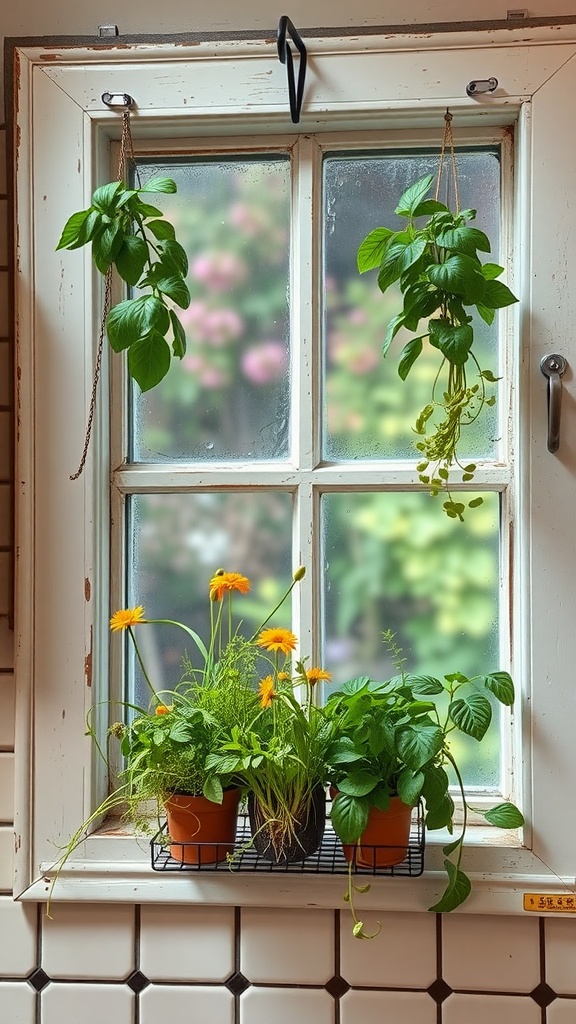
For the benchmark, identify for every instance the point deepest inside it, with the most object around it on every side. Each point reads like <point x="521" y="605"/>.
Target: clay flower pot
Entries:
<point x="272" y="845"/>
<point x="385" y="839"/>
<point x="202" y="832"/>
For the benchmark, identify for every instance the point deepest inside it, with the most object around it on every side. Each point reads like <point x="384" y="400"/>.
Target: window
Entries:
<point x="293" y="475"/>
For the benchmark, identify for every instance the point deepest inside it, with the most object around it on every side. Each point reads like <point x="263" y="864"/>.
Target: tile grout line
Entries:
<point x="439" y="963"/>
<point x="137" y="920"/>
<point x="337" y="962"/>
<point x="237" y="933"/>
<point x="542" y="953"/>
<point x="39" y="926"/>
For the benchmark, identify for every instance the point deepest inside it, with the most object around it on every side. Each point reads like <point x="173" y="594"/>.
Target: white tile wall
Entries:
<point x="7" y="716"/>
<point x="410" y="944"/>
<point x="83" y="941"/>
<point x="18" y="956"/>
<point x="6" y="645"/>
<point x="5" y="375"/>
<point x="377" y="1007"/>
<point x="294" y="947"/>
<point x="491" y="953"/>
<point x="6" y="858"/>
<point x="17" y="1003"/>
<point x="561" y="956"/>
<point x="462" y="1009"/>
<point x="562" y="1011"/>
<point x="6" y="787"/>
<point x="181" y="943"/>
<point x="286" y="1006"/>
<point x="87" y="1004"/>
<point x="184" y="1004"/>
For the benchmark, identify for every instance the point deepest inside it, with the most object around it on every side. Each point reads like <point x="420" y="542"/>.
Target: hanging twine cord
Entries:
<point x="448" y="144"/>
<point x="126" y="153"/>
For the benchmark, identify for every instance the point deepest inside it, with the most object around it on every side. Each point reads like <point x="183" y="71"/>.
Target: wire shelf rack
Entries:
<point x="329" y="859"/>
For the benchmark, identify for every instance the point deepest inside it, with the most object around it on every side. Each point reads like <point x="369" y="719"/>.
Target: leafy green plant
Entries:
<point x="392" y="739"/>
<point x="127" y="233"/>
<point x="442" y="280"/>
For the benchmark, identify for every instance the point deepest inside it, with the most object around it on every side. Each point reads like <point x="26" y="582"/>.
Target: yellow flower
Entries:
<point x="284" y="677"/>
<point x="266" y="691"/>
<point x="277" y="639"/>
<point x="314" y="675"/>
<point x="224" y="582"/>
<point x="126" y="617"/>
<point x="163" y="709"/>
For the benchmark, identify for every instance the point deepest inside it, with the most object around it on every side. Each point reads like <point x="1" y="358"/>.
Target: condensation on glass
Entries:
<point x="369" y="412"/>
<point x="228" y="398"/>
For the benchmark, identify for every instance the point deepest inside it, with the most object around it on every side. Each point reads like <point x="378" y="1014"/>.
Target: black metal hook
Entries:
<point x="295" y="93"/>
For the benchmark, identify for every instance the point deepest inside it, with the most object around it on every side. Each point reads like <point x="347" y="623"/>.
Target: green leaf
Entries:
<point x="355" y="685"/>
<point x="212" y="789"/>
<point x="410" y="786"/>
<point x="392" y="330"/>
<point x="501" y="685"/>
<point x="463" y="239"/>
<point x="176" y="289"/>
<point x="491" y="271"/>
<point x="349" y="816"/>
<point x="413" y="196"/>
<point x="174" y="257"/>
<point x="161" y="229"/>
<point x="358" y="783"/>
<point x="130" y="320"/>
<point x="426" y="685"/>
<point x="409" y="355"/>
<point x="472" y="714"/>
<point x="461" y="275"/>
<point x="440" y="815"/>
<point x="418" y="743"/>
<point x="380" y="798"/>
<point x="505" y="816"/>
<point x="71" y="230"/>
<point x="371" y="251"/>
<point x="497" y="295"/>
<point x="179" y="342"/>
<point x="159" y="185"/>
<point x="489" y="376"/>
<point x="428" y="207"/>
<point x="145" y="210"/>
<point x="131" y="259"/>
<point x="104" y="197"/>
<point x="149" y="360"/>
<point x="456" y="892"/>
<point x="436" y="785"/>
<point x="397" y="258"/>
<point x="106" y="246"/>
<point x="454" y="342"/>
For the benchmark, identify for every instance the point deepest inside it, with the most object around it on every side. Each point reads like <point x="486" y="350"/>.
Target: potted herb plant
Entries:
<point x="435" y="262"/>
<point x="392" y="747"/>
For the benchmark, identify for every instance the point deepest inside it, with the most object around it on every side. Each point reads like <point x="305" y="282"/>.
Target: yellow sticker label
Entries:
<point x="541" y="902"/>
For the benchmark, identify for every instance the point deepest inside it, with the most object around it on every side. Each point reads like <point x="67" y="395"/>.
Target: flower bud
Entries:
<point x="299" y="574"/>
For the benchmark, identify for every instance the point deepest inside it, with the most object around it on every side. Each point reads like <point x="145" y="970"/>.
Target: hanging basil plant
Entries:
<point x="129" y="234"/>
<point x="442" y="281"/>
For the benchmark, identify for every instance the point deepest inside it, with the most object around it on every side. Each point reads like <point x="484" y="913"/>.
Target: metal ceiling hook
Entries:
<point x="295" y="92"/>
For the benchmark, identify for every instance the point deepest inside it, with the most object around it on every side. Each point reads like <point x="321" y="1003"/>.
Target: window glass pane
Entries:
<point x="395" y="561"/>
<point x="178" y="542"/>
<point x="229" y="396"/>
<point x="369" y="412"/>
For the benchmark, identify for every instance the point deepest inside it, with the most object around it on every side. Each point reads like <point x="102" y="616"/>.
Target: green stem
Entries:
<point x="141" y="663"/>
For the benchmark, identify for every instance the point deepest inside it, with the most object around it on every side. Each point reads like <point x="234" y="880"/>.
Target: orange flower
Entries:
<point x="266" y="691"/>
<point x="314" y="675"/>
<point x="277" y="640"/>
<point x="163" y="709"/>
<point x="224" y="582"/>
<point x="126" y="617"/>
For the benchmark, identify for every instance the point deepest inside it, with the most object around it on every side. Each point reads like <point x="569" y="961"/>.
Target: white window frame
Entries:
<point x="63" y="133"/>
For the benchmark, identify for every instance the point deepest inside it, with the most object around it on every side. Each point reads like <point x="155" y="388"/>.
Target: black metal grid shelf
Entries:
<point x="329" y="859"/>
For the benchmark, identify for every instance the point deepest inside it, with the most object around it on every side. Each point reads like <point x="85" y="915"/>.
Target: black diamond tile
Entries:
<point x="543" y="995"/>
<point x="137" y="981"/>
<point x="439" y="990"/>
<point x="337" y="986"/>
<point x="237" y="984"/>
<point x="38" y="979"/>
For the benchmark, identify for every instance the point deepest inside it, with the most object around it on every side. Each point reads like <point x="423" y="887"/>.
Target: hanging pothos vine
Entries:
<point x="442" y="280"/>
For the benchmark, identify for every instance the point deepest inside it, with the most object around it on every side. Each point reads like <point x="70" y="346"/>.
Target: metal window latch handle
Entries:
<point x="553" y="366"/>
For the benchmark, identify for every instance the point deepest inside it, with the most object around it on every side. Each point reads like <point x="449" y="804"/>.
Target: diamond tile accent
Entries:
<point x="543" y="994"/>
<point x="337" y="986"/>
<point x="439" y="990"/>
<point x="137" y="981"/>
<point x="237" y="984"/>
<point x="39" y="979"/>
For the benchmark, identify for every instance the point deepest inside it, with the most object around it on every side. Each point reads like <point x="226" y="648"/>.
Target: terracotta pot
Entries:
<point x="307" y="835"/>
<point x="385" y="839"/>
<point x="201" y="831"/>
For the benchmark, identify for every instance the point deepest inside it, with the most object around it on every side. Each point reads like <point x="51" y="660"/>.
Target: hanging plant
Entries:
<point x="129" y="234"/>
<point x="443" y="281"/>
